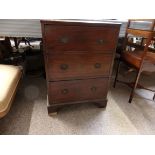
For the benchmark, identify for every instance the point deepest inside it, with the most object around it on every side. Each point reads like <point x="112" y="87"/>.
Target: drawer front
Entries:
<point x="85" y="38"/>
<point x="71" y="66"/>
<point x="77" y="90"/>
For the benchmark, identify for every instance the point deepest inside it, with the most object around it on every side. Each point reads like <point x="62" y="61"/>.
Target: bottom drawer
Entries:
<point x="77" y="90"/>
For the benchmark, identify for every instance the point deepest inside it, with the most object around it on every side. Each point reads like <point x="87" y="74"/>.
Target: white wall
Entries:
<point x="20" y="27"/>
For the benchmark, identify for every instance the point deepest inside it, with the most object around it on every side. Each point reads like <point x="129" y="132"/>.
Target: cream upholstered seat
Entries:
<point x="9" y="79"/>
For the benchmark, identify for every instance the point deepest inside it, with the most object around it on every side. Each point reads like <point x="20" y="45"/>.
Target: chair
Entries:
<point x="9" y="79"/>
<point x="137" y="55"/>
<point x="10" y="75"/>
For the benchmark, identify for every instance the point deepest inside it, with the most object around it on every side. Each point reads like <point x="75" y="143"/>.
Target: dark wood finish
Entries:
<point x="69" y="38"/>
<point x="77" y="90"/>
<point x="154" y="96"/>
<point x="78" y="66"/>
<point x="16" y="42"/>
<point x="78" y="58"/>
<point x="54" y="108"/>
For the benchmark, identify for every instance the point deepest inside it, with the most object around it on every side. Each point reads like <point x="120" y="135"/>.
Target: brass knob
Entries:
<point x="93" y="89"/>
<point x="100" y="41"/>
<point x="97" y="65"/>
<point x="64" y="91"/>
<point x="64" y="39"/>
<point x="64" y="66"/>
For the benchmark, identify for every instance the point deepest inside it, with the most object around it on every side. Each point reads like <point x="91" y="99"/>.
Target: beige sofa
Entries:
<point x="9" y="78"/>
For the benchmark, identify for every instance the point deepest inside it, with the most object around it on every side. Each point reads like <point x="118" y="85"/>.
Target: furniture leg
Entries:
<point x="27" y="41"/>
<point x="101" y="104"/>
<point x="16" y="42"/>
<point x="52" y="110"/>
<point x="154" y="97"/>
<point x="135" y="85"/>
<point x="53" y="114"/>
<point x="118" y="66"/>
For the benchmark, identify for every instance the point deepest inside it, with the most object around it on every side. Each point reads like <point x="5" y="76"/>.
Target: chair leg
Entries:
<point x="117" y="71"/>
<point x="135" y="85"/>
<point x="154" y="97"/>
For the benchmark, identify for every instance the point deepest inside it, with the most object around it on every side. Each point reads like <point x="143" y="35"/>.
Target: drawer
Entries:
<point x="85" y="38"/>
<point x="77" y="66"/>
<point x="77" y="90"/>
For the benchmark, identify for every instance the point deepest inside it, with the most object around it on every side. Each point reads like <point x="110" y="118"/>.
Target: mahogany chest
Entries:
<point x="78" y="58"/>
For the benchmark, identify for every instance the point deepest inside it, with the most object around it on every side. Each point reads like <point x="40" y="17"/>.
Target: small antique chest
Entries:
<point x="78" y="58"/>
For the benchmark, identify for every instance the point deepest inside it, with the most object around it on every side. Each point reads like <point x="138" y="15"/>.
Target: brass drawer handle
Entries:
<point x="97" y="65"/>
<point x="64" y="40"/>
<point x="64" y="91"/>
<point x="101" y="41"/>
<point x="93" y="89"/>
<point x="64" y="66"/>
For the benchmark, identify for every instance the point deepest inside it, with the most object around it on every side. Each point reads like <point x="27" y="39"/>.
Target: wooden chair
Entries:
<point x="136" y="55"/>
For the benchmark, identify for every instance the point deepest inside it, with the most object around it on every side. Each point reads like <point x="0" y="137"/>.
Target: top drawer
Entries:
<point x="83" y="38"/>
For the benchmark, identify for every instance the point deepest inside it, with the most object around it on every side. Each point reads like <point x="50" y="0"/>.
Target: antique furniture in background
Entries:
<point x="8" y="56"/>
<point x="138" y="55"/>
<point x="9" y="79"/>
<point x="78" y="58"/>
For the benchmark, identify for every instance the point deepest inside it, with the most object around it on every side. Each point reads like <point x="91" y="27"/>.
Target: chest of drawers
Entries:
<point x="78" y="59"/>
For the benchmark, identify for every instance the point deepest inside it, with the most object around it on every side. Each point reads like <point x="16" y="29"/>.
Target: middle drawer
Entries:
<point x="77" y="66"/>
